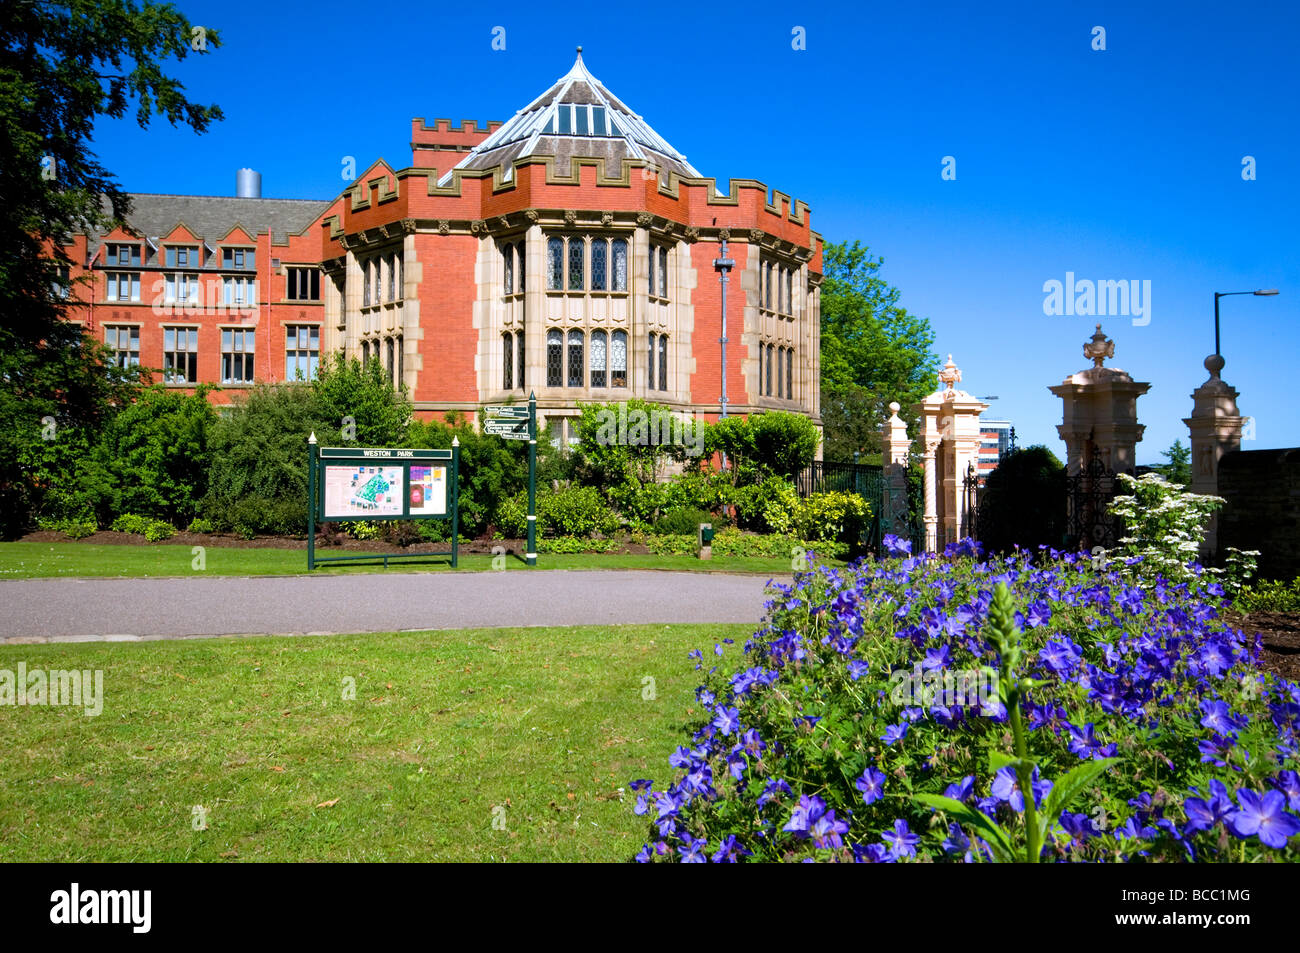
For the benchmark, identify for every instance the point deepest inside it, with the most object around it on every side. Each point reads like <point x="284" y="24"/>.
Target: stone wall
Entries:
<point x="1262" y="490"/>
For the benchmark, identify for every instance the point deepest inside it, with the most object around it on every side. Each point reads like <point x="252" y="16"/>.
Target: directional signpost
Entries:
<point x="520" y="423"/>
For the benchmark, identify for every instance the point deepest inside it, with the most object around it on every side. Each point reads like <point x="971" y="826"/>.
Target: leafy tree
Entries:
<point x="773" y="443"/>
<point x="155" y="453"/>
<point x="873" y="351"/>
<point x="362" y="395"/>
<point x="1023" y="501"/>
<point x="1178" y="469"/>
<point x="629" y="443"/>
<point x="61" y="67"/>
<point x="257" y="481"/>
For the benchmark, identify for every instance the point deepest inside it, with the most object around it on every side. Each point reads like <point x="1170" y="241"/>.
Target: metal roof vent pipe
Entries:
<point x="248" y="184"/>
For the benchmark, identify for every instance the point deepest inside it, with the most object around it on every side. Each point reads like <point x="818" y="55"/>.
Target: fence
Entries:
<point x="865" y="480"/>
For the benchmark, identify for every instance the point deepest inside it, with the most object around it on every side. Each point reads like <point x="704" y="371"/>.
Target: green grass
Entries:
<point x="29" y="560"/>
<point x="445" y="728"/>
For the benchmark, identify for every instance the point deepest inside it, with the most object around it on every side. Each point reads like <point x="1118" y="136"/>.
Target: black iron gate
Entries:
<point x="1089" y="493"/>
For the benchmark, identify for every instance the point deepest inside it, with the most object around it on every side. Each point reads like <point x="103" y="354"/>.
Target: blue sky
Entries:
<point x="1122" y="164"/>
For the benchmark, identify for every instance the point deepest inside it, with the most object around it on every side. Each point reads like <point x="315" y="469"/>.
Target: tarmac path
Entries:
<point x="92" y="609"/>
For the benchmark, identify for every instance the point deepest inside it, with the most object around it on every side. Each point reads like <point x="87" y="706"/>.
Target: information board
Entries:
<point x="360" y="492"/>
<point x="348" y="484"/>
<point x="428" y="491"/>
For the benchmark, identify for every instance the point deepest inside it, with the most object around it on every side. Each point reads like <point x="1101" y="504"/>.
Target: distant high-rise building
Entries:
<point x="995" y="443"/>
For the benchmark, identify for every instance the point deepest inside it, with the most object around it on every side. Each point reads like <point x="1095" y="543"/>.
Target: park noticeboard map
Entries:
<point x="368" y="483"/>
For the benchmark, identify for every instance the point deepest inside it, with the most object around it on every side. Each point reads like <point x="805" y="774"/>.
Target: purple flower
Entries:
<point x="1218" y="718"/>
<point x="1206" y="813"/>
<point x="805" y="812"/>
<point x="961" y="790"/>
<point x="827" y="829"/>
<point x="729" y="851"/>
<point x="1006" y="788"/>
<point x="693" y="850"/>
<point x="902" y="842"/>
<point x="858" y="668"/>
<point x="727" y="720"/>
<point x="894" y="733"/>
<point x="936" y="658"/>
<point x="1288" y="782"/>
<point x="870" y="853"/>
<point x="1265" y="817"/>
<point x="871" y="784"/>
<point x="1040" y="613"/>
<point x="895" y="546"/>
<point x="774" y="787"/>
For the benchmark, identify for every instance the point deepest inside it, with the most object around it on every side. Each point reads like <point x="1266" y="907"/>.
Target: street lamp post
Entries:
<point x="724" y="265"/>
<point x="1262" y="292"/>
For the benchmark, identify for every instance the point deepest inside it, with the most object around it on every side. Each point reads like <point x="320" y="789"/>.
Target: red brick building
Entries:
<point x="568" y="251"/>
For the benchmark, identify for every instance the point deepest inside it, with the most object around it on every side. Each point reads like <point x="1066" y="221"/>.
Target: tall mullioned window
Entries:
<point x="554" y="358"/>
<point x="663" y="362"/>
<point x="555" y="264"/>
<point x="180" y="355"/>
<point x="237" y="355"/>
<point x="618" y="359"/>
<point x="599" y="352"/>
<point x="577" y="253"/>
<point x="507" y="360"/>
<point x="302" y="352"/>
<point x="124" y="342"/>
<point x="599" y="264"/>
<point x="574" y="377"/>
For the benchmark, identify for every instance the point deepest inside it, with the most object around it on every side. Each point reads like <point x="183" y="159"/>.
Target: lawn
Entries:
<point x="537" y="729"/>
<point x="28" y="560"/>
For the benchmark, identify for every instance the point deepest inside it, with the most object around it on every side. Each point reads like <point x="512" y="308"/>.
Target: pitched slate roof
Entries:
<point x="546" y="126"/>
<point x="212" y="217"/>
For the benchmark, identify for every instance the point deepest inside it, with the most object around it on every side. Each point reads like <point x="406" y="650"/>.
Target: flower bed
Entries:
<point x="900" y="710"/>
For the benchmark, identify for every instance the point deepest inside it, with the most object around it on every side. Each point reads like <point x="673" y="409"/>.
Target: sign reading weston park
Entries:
<point x="347" y="484"/>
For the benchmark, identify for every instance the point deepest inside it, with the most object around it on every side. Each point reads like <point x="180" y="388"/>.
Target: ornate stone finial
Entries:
<point x="1099" y="348"/>
<point x="1214" y="364"/>
<point x="950" y="374"/>
<point x="894" y="407"/>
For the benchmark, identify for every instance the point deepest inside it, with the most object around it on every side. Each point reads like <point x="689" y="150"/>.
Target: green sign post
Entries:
<point x="520" y="423"/>
<point x="349" y="484"/>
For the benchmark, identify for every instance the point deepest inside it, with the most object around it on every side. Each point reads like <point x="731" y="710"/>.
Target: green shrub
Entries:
<point x="365" y="529"/>
<point x="159" y="530"/>
<point x="200" y="525"/>
<point x="130" y="523"/>
<point x="775" y="442"/>
<point x="833" y="516"/>
<point x="71" y="528"/>
<point x="683" y="522"/>
<point x="575" y="511"/>
<point x="1270" y="596"/>
<point x="779" y="506"/>
<point x="257" y="482"/>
